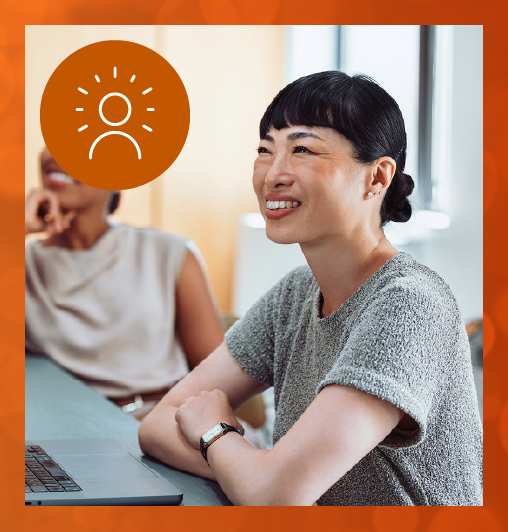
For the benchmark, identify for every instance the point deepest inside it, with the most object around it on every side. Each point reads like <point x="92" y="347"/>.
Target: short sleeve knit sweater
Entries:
<point x="400" y="337"/>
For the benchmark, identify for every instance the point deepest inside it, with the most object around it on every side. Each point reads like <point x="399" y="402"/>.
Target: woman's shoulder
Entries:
<point x="413" y="284"/>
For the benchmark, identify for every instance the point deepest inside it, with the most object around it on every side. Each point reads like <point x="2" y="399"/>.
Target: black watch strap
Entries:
<point x="227" y="428"/>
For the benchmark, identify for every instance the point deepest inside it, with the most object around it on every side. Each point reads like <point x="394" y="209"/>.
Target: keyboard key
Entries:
<point x="72" y="488"/>
<point x="27" y="489"/>
<point x="61" y="478"/>
<point x="55" y="488"/>
<point x="66" y="483"/>
<point x="52" y="468"/>
<point x="37" y="489"/>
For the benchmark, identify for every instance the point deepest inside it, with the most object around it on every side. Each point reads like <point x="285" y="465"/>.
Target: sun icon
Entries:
<point x="115" y="124"/>
<point x="115" y="114"/>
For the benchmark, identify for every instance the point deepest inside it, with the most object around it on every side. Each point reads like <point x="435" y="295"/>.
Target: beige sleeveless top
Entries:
<point x="107" y="314"/>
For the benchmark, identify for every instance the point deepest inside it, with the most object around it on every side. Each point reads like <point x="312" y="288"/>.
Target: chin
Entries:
<point x="281" y="235"/>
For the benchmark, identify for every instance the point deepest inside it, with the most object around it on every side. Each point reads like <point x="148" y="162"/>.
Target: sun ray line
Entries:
<point x="83" y="127"/>
<point x="82" y="90"/>
<point x="150" y="109"/>
<point x="147" y="128"/>
<point x="147" y="90"/>
<point x="79" y="109"/>
<point x="114" y="72"/>
<point x="97" y="78"/>
<point x="133" y="78"/>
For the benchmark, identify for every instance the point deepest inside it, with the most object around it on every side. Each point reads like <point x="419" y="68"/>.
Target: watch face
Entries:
<point x="211" y="434"/>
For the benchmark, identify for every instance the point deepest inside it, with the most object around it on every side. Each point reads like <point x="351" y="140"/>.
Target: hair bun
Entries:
<point x="396" y="206"/>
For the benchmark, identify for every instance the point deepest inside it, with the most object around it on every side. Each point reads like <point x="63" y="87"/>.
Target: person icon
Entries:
<point x="115" y="124"/>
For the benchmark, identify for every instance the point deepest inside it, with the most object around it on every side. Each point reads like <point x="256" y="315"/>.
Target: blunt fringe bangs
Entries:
<point x="354" y="106"/>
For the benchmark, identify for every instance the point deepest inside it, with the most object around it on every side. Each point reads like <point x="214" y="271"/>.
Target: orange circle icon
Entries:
<point x="115" y="115"/>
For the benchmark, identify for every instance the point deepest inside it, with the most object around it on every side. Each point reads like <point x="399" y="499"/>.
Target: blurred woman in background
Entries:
<point x="128" y="310"/>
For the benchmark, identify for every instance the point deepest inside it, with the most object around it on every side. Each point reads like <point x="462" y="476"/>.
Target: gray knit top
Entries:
<point x="400" y="337"/>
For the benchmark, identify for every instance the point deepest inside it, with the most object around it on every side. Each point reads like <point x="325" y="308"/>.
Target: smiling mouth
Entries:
<point x="60" y="177"/>
<point x="276" y="205"/>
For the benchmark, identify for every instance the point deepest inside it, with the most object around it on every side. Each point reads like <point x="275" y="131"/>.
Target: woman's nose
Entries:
<point x="280" y="173"/>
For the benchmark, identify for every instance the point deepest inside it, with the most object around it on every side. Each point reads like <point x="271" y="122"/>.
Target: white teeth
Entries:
<point x="273" y="205"/>
<point x="63" y="178"/>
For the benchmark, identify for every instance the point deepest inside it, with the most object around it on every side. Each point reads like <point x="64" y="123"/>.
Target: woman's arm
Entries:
<point x="197" y="320"/>
<point x="159" y="433"/>
<point x="337" y="430"/>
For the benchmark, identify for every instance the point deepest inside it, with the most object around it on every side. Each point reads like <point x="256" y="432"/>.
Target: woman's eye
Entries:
<point x="301" y="149"/>
<point x="261" y="149"/>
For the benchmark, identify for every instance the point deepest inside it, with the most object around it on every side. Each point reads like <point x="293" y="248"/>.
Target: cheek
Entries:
<point x="258" y="178"/>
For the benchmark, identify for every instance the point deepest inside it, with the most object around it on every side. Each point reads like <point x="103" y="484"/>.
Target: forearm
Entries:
<point x="252" y="477"/>
<point x="161" y="437"/>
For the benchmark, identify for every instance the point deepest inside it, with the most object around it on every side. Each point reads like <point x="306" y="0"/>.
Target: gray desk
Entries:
<point x="60" y="407"/>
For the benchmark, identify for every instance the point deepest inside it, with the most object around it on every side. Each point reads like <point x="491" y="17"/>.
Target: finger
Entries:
<point x="47" y="210"/>
<point x="55" y="216"/>
<point x="33" y="222"/>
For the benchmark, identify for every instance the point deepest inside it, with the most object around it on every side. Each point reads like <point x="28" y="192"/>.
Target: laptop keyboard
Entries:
<point x="42" y="473"/>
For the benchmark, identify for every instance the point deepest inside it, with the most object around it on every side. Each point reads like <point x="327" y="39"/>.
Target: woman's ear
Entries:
<point x="383" y="171"/>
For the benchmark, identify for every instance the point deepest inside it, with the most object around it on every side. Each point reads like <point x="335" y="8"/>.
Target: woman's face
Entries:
<point x="71" y="193"/>
<point x="314" y="170"/>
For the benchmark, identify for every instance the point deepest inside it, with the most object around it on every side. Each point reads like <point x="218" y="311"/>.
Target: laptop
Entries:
<point x="91" y="472"/>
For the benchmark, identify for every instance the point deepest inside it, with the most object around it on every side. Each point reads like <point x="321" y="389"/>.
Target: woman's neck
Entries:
<point x="85" y="229"/>
<point x="341" y="266"/>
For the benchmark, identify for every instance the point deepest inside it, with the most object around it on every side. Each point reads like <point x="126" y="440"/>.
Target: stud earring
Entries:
<point x="369" y="194"/>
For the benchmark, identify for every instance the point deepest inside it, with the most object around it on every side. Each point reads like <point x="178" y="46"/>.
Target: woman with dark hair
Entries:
<point x="365" y="347"/>
<point x="118" y="306"/>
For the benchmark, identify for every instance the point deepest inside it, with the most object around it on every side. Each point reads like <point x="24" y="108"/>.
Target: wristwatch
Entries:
<point x="214" y="434"/>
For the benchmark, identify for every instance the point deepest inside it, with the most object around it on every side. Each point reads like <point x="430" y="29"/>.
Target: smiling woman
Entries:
<point x="365" y="347"/>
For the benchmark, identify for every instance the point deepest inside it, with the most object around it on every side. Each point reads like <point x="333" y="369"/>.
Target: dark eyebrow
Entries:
<point x="294" y="136"/>
<point x="268" y="138"/>
<point x="302" y="134"/>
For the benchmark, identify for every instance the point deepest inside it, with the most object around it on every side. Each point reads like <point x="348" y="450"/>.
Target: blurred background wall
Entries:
<point x="232" y="73"/>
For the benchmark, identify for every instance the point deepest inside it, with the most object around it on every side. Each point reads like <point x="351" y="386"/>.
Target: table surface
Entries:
<point x="61" y="407"/>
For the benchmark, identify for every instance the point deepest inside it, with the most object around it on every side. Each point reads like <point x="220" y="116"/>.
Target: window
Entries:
<point x="413" y="64"/>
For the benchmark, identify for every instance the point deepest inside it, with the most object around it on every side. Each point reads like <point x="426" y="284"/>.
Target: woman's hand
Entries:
<point x="42" y="213"/>
<point x="198" y="414"/>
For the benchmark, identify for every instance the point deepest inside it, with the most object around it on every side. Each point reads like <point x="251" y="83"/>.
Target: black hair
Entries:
<point x="358" y="108"/>
<point x="114" y="202"/>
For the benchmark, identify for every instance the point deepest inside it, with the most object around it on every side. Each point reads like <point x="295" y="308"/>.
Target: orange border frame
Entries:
<point x="15" y="14"/>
